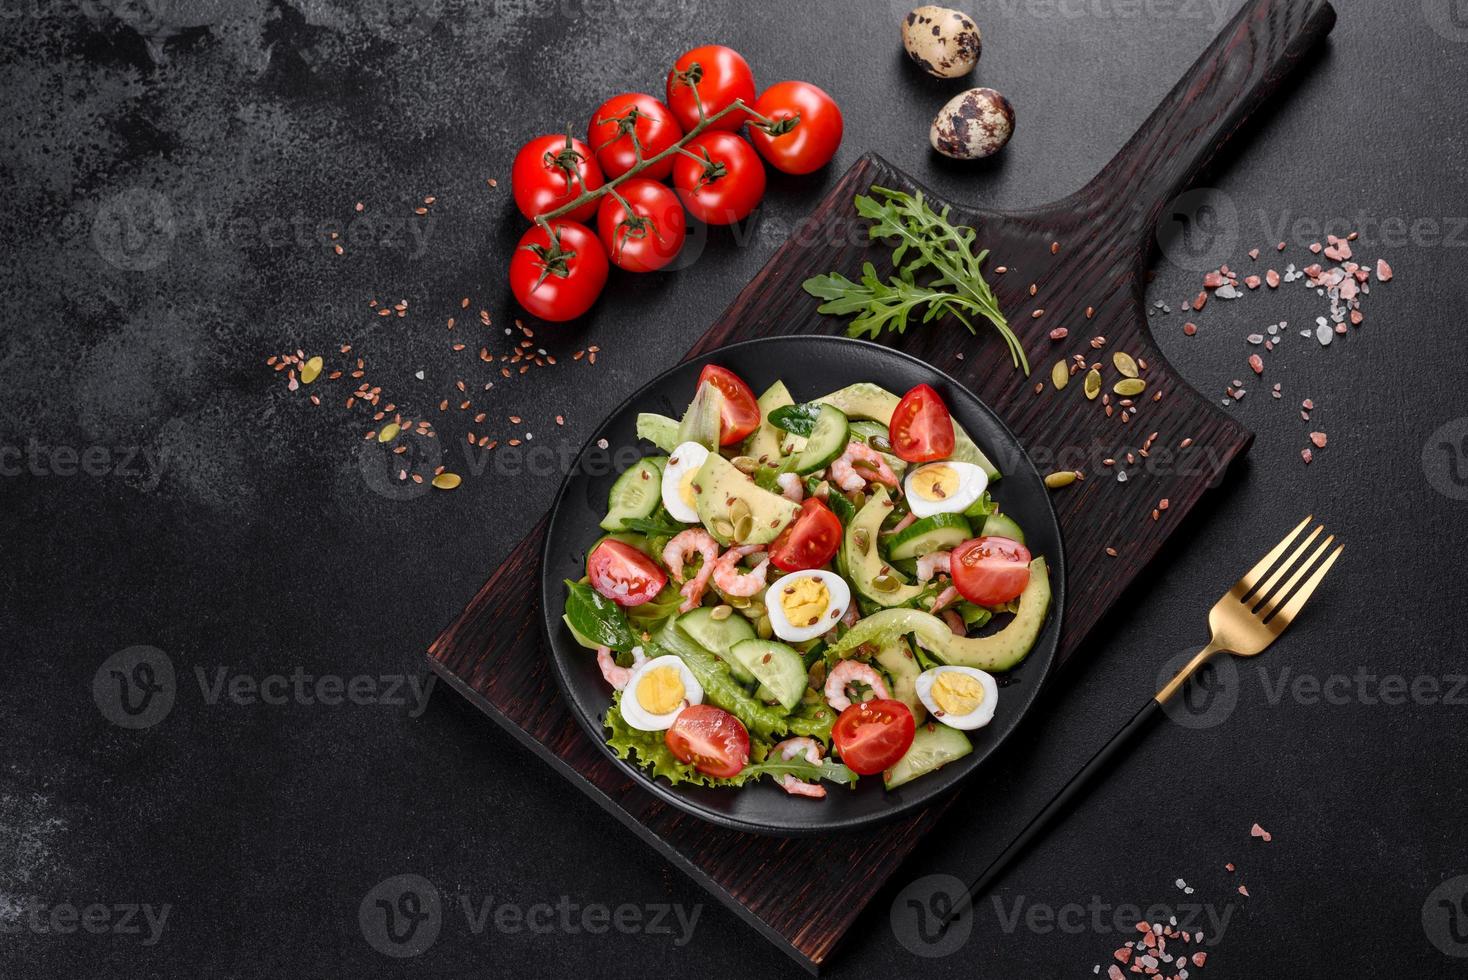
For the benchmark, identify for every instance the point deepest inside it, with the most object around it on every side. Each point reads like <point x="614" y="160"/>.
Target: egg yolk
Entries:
<point x="685" y="488"/>
<point x="935" y="482"/>
<point x="957" y="694"/>
<point x="661" y="690"/>
<point x="804" y="601"/>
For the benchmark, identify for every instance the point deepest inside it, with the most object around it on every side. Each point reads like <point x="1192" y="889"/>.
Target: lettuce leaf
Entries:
<point x="597" y="618"/>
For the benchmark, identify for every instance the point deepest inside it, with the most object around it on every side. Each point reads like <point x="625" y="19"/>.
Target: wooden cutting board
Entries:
<point x="1085" y="258"/>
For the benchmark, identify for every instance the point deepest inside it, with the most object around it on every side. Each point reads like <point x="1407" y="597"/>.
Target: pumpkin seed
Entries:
<point x="862" y="538"/>
<point x="745" y="464"/>
<point x="739" y="510"/>
<point x="721" y="612"/>
<point x="763" y="628"/>
<point x="311" y="370"/>
<point x="880" y="444"/>
<point x="1060" y="478"/>
<point x="1130" y="386"/>
<point x="447" y="481"/>
<point x="1060" y="375"/>
<point x="1124" y="363"/>
<point x="823" y="490"/>
<point x="1093" y="384"/>
<point x="739" y="601"/>
<point x="817" y="675"/>
<point x="389" y="432"/>
<point x="859" y="499"/>
<point x="723" y="528"/>
<point x="885" y="583"/>
<point x="743" y="528"/>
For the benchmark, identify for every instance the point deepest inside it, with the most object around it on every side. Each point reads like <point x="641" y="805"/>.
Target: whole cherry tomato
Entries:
<point x="809" y="541"/>
<point x="719" y="75"/>
<point x="710" y="738"/>
<point x="558" y="276"/>
<point x="740" y="415"/>
<point x="990" y="571"/>
<point x="651" y="236"/>
<point x="921" y="428"/>
<point x="551" y="171"/>
<point x="618" y="120"/>
<point x="726" y="181"/>
<point x="807" y="127"/>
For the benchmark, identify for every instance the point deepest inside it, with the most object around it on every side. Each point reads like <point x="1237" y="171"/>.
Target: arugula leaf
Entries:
<point x="797" y="420"/>
<point x="798" y="767"/>
<point x="923" y="242"/>
<point x="982" y="507"/>
<point x="653" y="527"/>
<point x="597" y="618"/>
<point x="841" y="507"/>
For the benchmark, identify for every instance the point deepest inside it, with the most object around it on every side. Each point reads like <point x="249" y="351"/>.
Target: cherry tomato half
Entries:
<point x="873" y="735"/>
<point x="622" y="117"/>
<point x="921" y="430"/>
<point x="652" y="235"/>
<point x="808" y="144"/>
<point x="725" y="184"/>
<point x="557" y="277"/>
<point x="740" y="415"/>
<point x="550" y="171"/>
<point x="623" y="574"/>
<point x="720" y="76"/>
<point x="713" y="740"/>
<point x="990" y="571"/>
<point x="809" y="541"/>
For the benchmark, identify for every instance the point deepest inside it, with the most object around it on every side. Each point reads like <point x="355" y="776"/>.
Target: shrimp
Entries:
<point x="731" y="581"/>
<point x="847" y="674"/>
<point x="901" y="525"/>
<point x="849" y="468"/>
<point x="932" y="563"/>
<point x="611" y="673"/>
<point x="955" y="622"/>
<point x="788" y="750"/>
<point x="791" y="486"/>
<point x="945" y="598"/>
<point x="683" y="545"/>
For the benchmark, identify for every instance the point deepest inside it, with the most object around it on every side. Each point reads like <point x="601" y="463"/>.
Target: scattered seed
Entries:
<point x="1124" y="363"/>
<point x="1060" y="375"/>
<point x="1129" y="386"/>
<point x="1060" y="478"/>
<point x="1092" y="384"/>
<point x="447" y="481"/>
<point x="389" y="432"/>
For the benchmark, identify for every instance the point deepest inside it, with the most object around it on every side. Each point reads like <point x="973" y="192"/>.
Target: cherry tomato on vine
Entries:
<point x="558" y="276"/>
<point x="922" y="429"/>
<point x="807" y="127"/>
<point x="990" y="571"/>
<point x="740" y="414"/>
<point x="651" y="236"/>
<point x="809" y="541"/>
<point x="624" y="116"/>
<point x="724" y="183"/>
<point x="873" y="735"/>
<point x="550" y="171"/>
<point x="712" y="739"/>
<point x="720" y="75"/>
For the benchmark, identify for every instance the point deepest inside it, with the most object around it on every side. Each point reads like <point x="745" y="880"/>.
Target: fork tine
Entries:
<point x="1286" y="615"/>
<point x="1246" y="584"/>
<point x="1284" y="566"/>
<point x="1277" y="598"/>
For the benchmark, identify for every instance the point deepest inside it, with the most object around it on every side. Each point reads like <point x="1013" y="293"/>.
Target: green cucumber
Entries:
<point x="718" y="636"/>
<point x="776" y="666"/>
<point x="933" y="747"/>
<point x="637" y="493"/>
<point x="998" y="525"/>
<point x="826" y="441"/>
<point x="941" y="532"/>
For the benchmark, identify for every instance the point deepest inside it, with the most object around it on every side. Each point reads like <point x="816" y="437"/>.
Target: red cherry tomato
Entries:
<point x="990" y="571"/>
<point x="873" y="735"/>
<point x="809" y="541"/>
<point x="740" y="416"/>
<point x="921" y="429"/>
<point x="614" y="124"/>
<point x="557" y="277"/>
<point x="550" y="171"/>
<point x="812" y="141"/>
<point x="720" y="76"/>
<point x="725" y="184"/>
<point x="713" y="740"/>
<point x="623" y="574"/>
<point x="652" y="235"/>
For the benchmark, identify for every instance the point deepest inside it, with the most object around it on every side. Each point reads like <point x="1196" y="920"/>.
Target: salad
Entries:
<point x="786" y="590"/>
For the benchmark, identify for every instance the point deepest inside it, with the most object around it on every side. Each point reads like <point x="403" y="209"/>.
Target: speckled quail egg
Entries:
<point x="657" y="692"/>
<point x="679" y="495"/>
<point x="949" y="487"/>
<point x="943" y="41"/>
<point x="959" y="697"/>
<point x="803" y="605"/>
<point x="973" y="125"/>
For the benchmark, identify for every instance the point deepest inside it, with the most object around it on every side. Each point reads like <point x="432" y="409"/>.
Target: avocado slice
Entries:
<point x="902" y="667"/>
<point x="764" y="443"/>
<point x="720" y="487"/>
<point x="864" y="564"/>
<point x="865" y="400"/>
<point x="997" y="652"/>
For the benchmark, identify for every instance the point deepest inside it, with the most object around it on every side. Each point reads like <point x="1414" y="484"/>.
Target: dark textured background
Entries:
<point x="152" y="260"/>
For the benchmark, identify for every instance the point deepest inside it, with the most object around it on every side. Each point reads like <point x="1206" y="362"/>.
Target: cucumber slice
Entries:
<point x="718" y="636"/>
<point x="637" y="492"/>
<point x="1000" y="526"/>
<point x="776" y="666"/>
<point x="826" y="442"/>
<point x="933" y="747"/>
<point x="941" y="532"/>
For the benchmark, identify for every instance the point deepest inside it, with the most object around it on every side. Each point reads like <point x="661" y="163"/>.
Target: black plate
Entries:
<point x="810" y="367"/>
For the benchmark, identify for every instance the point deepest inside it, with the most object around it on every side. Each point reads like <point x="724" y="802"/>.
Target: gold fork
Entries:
<point x="1248" y="618"/>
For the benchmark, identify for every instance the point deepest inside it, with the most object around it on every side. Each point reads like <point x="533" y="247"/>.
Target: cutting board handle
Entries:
<point x="1241" y="68"/>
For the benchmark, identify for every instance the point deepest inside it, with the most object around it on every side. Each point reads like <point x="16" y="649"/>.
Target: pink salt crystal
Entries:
<point x="1315" y="247"/>
<point x="1252" y="282"/>
<point x="1253" y="253"/>
<point x="1383" y="271"/>
<point x="1319" y="439"/>
<point x="1272" y="278"/>
<point x="1307" y="456"/>
<point x="1257" y="363"/>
